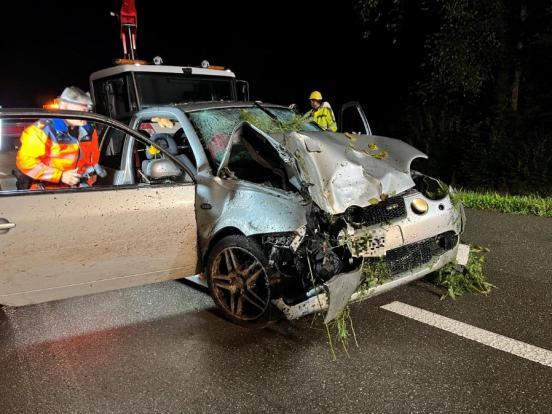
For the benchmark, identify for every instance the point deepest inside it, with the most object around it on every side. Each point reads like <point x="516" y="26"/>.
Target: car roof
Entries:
<point x="199" y="106"/>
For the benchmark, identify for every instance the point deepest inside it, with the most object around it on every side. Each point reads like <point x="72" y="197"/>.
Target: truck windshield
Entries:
<point x="163" y="89"/>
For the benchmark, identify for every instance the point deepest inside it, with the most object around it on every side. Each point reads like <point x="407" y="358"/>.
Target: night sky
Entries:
<point x="283" y="51"/>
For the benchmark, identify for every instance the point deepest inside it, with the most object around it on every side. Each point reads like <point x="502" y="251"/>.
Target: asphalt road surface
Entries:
<point x="163" y="348"/>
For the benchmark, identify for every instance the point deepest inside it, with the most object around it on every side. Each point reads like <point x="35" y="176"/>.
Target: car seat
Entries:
<point x="167" y="142"/>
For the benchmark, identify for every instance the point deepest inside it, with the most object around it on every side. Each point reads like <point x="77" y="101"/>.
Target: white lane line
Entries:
<point x="503" y="343"/>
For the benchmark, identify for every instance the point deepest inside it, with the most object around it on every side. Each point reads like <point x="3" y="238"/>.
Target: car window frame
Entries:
<point x="203" y="166"/>
<point x="34" y="114"/>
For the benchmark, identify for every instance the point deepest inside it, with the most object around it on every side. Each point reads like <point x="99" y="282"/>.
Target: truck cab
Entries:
<point x="122" y="90"/>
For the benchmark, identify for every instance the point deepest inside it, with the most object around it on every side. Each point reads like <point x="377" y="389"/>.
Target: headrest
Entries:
<point x="166" y="142"/>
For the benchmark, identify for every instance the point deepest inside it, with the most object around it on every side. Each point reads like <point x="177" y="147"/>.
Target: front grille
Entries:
<point x="420" y="253"/>
<point x="384" y="211"/>
<point x="392" y="208"/>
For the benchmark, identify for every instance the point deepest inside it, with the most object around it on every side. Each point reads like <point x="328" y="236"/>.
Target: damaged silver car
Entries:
<point x="302" y="218"/>
<point x="275" y="215"/>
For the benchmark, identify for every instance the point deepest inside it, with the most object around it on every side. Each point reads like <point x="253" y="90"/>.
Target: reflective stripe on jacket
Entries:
<point x="324" y="117"/>
<point x="47" y="150"/>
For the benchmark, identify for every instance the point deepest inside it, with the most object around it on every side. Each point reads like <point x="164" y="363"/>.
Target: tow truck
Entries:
<point x="127" y="88"/>
<point x="133" y="84"/>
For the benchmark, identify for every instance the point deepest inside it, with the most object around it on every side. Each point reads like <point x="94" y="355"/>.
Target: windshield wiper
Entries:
<point x="266" y="111"/>
<point x="276" y="120"/>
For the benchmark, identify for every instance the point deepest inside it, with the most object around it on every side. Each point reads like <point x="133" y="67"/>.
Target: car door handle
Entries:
<point x="6" y="226"/>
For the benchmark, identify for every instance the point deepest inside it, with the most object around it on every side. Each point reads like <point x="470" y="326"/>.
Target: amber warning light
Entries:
<point x="52" y="104"/>
<point x="137" y="62"/>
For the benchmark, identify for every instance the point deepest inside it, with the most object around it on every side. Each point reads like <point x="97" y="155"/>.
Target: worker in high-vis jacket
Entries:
<point x="55" y="152"/>
<point x="321" y="112"/>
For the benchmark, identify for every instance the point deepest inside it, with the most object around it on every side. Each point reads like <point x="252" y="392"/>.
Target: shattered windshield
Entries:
<point x="214" y="126"/>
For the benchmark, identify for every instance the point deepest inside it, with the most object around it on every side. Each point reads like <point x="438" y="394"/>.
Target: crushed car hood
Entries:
<point x="342" y="170"/>
<point x="339" y="170"/>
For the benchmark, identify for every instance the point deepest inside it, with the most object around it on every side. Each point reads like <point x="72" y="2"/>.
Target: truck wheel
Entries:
<point x="238" y="280"/>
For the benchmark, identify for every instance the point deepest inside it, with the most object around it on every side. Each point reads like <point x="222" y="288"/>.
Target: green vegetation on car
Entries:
<point x="271" y="125"/>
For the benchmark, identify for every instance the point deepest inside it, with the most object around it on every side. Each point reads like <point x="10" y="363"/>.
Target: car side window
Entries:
<point x="50" y="154"/>
<point x="54" y="154"/>
<point x="168" y="135"/>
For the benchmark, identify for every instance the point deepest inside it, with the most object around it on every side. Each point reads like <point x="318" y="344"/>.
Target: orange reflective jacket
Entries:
<point x="89" y="153"/>
<point x="47" y="150"/>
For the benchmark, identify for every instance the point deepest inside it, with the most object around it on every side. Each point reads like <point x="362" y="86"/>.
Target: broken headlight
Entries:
<point x="432" y="188"/>
<point x="326" y="264"/>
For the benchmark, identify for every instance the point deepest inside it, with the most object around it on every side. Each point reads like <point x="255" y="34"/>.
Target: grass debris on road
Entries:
<point x="458" y="280"/>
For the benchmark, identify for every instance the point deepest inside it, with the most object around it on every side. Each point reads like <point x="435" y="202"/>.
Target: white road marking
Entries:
<point x="500" y="342"/>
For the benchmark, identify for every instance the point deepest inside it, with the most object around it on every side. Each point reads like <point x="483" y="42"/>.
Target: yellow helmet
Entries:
<point x="316" y="95"/>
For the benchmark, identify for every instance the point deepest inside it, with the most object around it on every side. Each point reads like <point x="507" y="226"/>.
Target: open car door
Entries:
<point x="353" y="119"/>
<point x="63" y="242"/>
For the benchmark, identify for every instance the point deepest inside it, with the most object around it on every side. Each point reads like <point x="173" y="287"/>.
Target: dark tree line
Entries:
<point x="480" y="87"/>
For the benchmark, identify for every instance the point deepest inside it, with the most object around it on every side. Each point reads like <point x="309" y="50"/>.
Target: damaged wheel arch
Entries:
<point x="225" y="232"/>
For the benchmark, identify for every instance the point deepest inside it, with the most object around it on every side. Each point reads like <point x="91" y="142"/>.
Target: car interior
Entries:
<point x="253" y="159"/>
<point x="168" y="135"/>
<point x="164" y="132"/>
<point x="167" y="142"/>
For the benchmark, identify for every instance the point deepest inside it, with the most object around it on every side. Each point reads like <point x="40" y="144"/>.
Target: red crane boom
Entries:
<point x="129" y="25"/>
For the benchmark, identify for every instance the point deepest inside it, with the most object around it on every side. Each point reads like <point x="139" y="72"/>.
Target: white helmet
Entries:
<point x="75" y="95"/>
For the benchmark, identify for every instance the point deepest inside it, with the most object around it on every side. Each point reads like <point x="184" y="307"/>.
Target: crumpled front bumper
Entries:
<point x="335" y="304"/>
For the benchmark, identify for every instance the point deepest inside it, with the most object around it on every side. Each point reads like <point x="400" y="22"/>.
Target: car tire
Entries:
<point x="236" y="270"/>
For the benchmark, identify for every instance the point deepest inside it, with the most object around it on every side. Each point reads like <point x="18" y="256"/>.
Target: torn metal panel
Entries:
<point x="312" y="146"/>
<point x="276" y="210"/>
<point x="463" y="254"/>
<point x="299" y="236"/>
<point x="320" y="302"/>
<point x="255" y="143"/>
<point x="340" y="289"/>
<point x="340" y="172"/>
